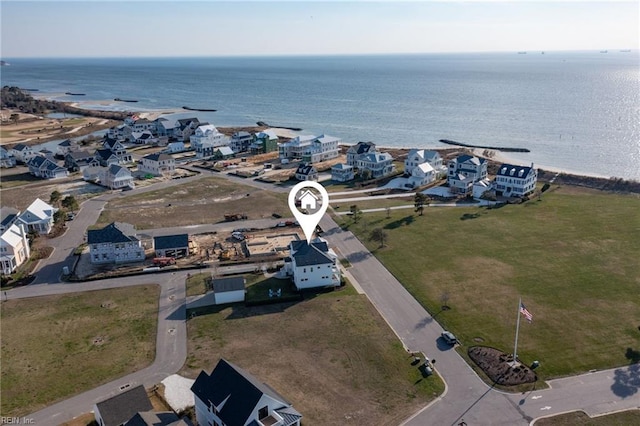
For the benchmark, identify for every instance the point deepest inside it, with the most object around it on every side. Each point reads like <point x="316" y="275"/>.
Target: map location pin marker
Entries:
<point x="308" y="202"/>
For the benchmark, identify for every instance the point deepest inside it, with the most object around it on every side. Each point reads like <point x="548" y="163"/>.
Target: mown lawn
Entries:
<point x="572" y="257"/>
<point x="54" y="347"/>
<point x="332" y="355"/>
<point x="624" y="418"/>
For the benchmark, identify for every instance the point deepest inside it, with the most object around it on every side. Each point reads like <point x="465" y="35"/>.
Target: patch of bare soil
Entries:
<point x="495" y="365"/>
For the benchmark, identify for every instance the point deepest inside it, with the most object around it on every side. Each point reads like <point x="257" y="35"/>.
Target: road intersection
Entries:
<point x="466" y="396"/>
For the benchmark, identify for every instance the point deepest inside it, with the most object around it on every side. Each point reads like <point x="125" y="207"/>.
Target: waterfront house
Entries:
<point x="119" y="409"/>
<point x="7" y="160"/>
<point x="228" y="290"/>
<point x="422" y="174"/>
<point x="312" y="265"/>
<point x="14" y="247"/>
<point x="322" y="148"/>
<point x="469" y="166"/>
<point x="209" y="136"/>
<point x="171" y="245"/>
<point x="143" y="125"/>
<point x="240" y="141"/>
<point x="157" y="164"/>
<point x="265" y="141"/>
<point x="75" y="161"/>
<point x="165" y="127"/>
<point x="356" y="151"/>
<point x="460" y="184"/>
<point x="38" y="217"/>
<point x="45" y="168"/>
<point x="342" y="173"/>
<point x="480" y="188"/>
<point x="515" y="181"/>
<point x="421" y="156"/>
<point x="115" y="243"/>
<point x="231" y="396"/>
<point x="185" y="127"/>
<point x="378" y="163"/>
<point x="22" y="153"/>
<point x="296" y="147"/>
<point x="115" y="177"/>
<point x="306" y="172"/>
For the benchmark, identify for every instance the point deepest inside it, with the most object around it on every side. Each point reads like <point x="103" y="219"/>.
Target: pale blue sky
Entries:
<point x="211" y="28"/>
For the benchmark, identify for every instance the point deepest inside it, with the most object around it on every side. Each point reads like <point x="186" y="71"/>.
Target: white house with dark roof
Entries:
<point x="7" y="160"/>
<point x="515" y="181"/>
<point x="38" y="217"/>
<point x="121" y="132"/>
<point x="229" y="290"/>
<point x="312" y="265"/>
<point x="296" y="147"/>
<point x="22" y="153"/>
<point x="144" y="137"/>
<point x="171" y="245"/>
<point x="115" y="243"/>
<point x="119" y="409"/>
<point x="231" y="396"/>
<point x="65" y="147"/>
<point x="45" y="168"/>
<point x="361" y="148"/>
<point x="14" y="248"/>
<point x="157" y="164"/>
<point x="378" y="163"/>
<point x="76" y="161"/>
<point x="342" y="172"/>
<point x="208" y="135"/>
<point x="467" y="166"/>
<point x="306" y="172"/>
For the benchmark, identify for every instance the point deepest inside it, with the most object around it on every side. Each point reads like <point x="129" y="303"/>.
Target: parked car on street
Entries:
<point x="449" y="337"/>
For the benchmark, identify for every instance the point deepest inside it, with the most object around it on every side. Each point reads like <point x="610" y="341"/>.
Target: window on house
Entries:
<point x="263" y="412"/>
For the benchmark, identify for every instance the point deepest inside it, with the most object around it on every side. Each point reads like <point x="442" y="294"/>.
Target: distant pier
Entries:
<point x="295" y="129"/>
<point x="199" y="109"/>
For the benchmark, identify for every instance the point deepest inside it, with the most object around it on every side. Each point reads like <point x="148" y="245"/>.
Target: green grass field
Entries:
<point x="624" y="418"/>
<point x="572" y="257"/>
<point x="54" y="347"/>
<point x="332" y="355"/>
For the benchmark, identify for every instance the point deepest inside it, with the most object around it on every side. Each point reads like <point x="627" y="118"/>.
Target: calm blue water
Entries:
<point x="577" y="111"/>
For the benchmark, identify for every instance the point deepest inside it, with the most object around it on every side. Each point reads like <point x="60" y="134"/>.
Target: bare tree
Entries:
<point x="419" y="201"/>
<point x="378" y="235"/>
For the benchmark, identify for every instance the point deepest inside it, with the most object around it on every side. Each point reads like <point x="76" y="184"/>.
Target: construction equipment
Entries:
<point x="231" y="217"/>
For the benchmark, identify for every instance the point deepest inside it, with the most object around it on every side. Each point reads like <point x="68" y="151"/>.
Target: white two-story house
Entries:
<point x="379" y="163"/>
<point x="115" y="243"/>
<point x="515" y="181"/>
<point x="231" y="396"/>
<point x="14" y="248"/>
<point x="464" y="171"/>
<point x="322" y="148"/>
<point x="157" y="164"/>
<point x="312" y="265"/>
<point x="356" y="151"/>
<point x="116" y="177"/>
<point x="206" y="139"/>
<point x="421" y="156"/>
<point x="38" y="217"/>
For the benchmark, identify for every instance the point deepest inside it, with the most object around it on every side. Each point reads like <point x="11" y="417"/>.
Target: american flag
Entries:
<point x="524" y="311"/>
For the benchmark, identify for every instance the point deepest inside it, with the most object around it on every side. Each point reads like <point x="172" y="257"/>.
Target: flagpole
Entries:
<point x="515" y="346"/>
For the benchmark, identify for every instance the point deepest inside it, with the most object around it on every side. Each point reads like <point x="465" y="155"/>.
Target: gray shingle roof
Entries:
<point x="239" y="388"/>
<point x="310" y="254"/>
<point x="171" y="241"/>
<point x="222" y="285"/>
<point x="157" y="157"/>
<point x="362" y="148"/>
<point x="116" y="232"/>
<point x="120" y="408"/>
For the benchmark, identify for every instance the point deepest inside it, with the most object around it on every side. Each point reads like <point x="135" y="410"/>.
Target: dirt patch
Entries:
<point x="495" y="365"/>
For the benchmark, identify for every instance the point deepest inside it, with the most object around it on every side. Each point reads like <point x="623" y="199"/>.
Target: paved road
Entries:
<point x="171" y="341"/>
<point x="467" y="397"/>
